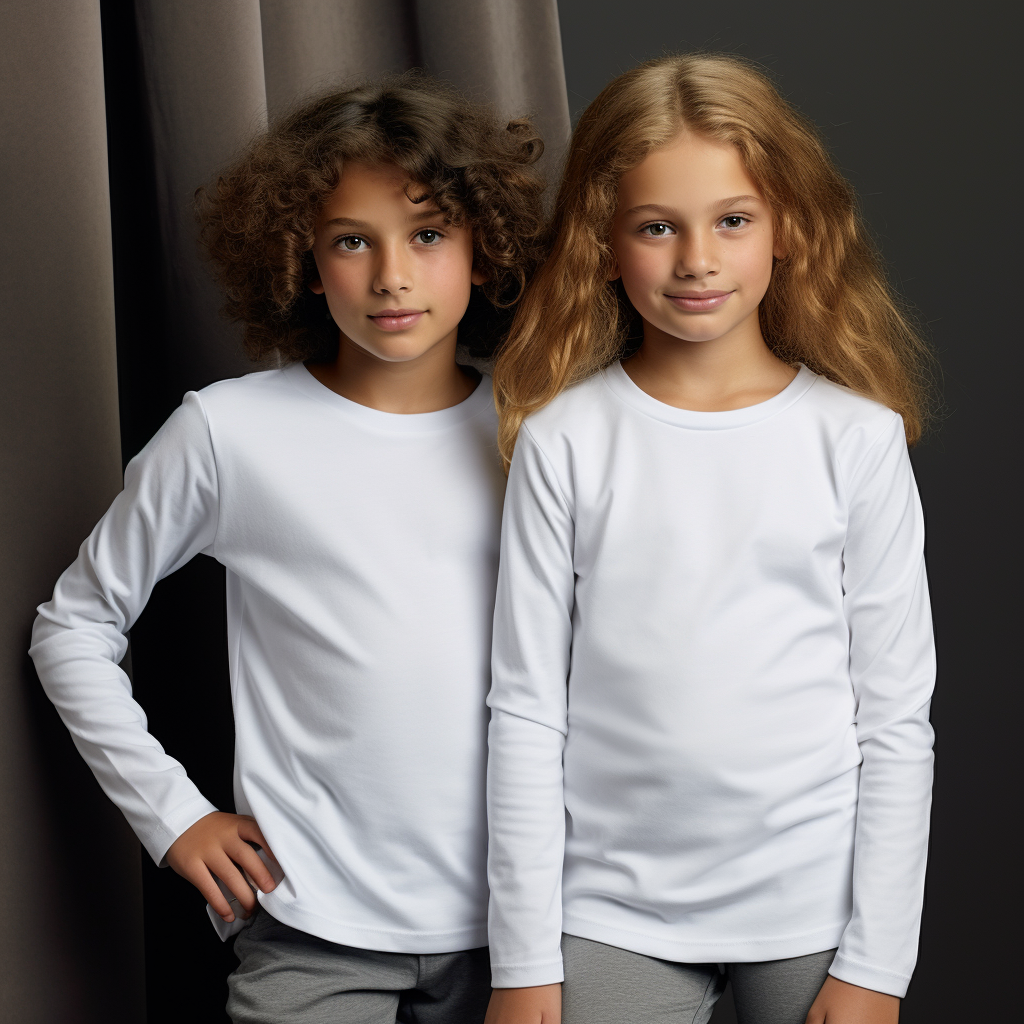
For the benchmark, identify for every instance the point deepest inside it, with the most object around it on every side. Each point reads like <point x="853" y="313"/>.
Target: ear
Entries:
<point x="614" y="274"/>
<point x="478" y="277"/>
<point x="316" y="286"/>
<point x="779" y="251"/>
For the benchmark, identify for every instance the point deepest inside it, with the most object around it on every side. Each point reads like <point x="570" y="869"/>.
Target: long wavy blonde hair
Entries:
<point x="828" y="304"/>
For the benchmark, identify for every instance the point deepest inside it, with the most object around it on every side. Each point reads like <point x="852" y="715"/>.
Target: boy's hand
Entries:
<point x="541" y="1004"/>
<point x="839" y="1002"/>
<point x="218" y="844"/>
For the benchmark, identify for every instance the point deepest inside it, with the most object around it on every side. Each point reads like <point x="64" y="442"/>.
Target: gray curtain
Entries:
<point x="208" y="75"/>
<point x="68" y="866"/>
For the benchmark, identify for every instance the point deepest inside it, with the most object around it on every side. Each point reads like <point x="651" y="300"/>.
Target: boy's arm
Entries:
<point x="165" y="515"/>
<point x="892" y="668"/>
<point x="530" y="664"/>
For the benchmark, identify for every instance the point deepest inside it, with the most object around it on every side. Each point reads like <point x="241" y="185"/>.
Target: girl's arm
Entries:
<point x="166" y="513"/>
<point x="892" y="667"/>
<point x="526" y="809"/>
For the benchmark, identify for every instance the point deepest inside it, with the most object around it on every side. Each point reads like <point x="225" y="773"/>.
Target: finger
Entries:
<point x="247" y="859"/>
<point x="199" y="875"/>
<point x="250" y="832"/>
<point x="226" y="870"/>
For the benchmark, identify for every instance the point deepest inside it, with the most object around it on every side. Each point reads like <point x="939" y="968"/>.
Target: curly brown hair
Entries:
<point x="257" y="220"/>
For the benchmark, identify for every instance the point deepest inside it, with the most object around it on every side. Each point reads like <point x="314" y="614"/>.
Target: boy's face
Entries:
<point x="396" y="277"/>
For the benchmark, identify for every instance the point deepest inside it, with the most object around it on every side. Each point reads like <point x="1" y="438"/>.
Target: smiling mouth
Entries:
<point x="396" y="319"/>
<point x="699" y="302"/>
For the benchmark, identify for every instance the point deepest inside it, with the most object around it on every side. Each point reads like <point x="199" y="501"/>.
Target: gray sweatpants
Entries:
<point x="608" y="985"/>
<point x="289" y="977"/>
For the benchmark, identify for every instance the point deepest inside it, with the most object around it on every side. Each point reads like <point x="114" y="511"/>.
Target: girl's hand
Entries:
<point x="218" y="844"/>
<point x="541" y="1004"/>
<point x="839" y="1002"/>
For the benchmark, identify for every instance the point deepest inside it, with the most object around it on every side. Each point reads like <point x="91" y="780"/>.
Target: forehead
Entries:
<point x="376" y="186"/>
<point x="689" y="170"/>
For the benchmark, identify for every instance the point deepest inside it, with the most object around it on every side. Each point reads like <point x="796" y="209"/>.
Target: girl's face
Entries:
<point x="693" y="241"/>
<point x="396" y="277"/>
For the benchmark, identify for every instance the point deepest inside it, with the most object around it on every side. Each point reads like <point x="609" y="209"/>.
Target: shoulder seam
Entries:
<point x="849" y="478"/>
<point x="551" y="467"/>
<point x="216" y="467"/>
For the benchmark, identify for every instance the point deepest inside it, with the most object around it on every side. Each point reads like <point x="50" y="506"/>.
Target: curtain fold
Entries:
<point x="205" y="95"/>
<point x="507" y="54"/>
<point x="69" y="868"/>
<point x="333" y="44"/>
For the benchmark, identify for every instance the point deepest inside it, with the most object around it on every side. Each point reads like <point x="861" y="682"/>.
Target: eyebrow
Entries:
<point x="667" y="211"/>
<point x="349" y="222"/>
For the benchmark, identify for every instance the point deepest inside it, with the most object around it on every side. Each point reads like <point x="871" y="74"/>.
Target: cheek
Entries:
<point x="754" y="261"/>
<point x="642" y="266"/>
<point x="345" y="280"/>
<point x="450" y="274"/>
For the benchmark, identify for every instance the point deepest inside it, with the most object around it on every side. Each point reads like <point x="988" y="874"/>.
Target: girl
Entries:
<point x="711" y="508"/>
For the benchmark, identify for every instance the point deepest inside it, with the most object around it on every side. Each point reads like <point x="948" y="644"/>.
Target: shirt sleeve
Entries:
<point x="528" y="701"/>
<point x="892" y="667"/>
<point x="165" y="515"/>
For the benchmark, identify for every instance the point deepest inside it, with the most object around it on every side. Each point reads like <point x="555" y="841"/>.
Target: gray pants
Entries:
<point x="607" y="985"/>
<point x="288" y="977"/>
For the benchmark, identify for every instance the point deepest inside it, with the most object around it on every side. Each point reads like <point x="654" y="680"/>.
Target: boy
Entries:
<point x="354" y="497"/>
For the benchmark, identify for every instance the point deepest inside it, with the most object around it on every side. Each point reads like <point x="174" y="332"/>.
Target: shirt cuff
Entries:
<point x="875" y="978"/>
<point x="526" y="975"/>
<point x="160" y="840"/>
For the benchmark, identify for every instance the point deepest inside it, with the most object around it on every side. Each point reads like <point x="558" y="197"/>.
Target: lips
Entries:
<point x="699" y="302"/>
<point x="396" y="319"/>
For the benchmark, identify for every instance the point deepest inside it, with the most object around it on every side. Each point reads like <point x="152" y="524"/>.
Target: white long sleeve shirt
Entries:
<point x="361" y="550"/>
<point x="711" y="677"/>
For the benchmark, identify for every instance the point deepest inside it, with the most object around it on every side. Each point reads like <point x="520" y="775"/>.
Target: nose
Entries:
<point x="696" y="255"/>
<point x="394" y="271"/>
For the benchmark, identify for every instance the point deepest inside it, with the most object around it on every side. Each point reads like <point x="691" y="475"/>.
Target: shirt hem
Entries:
<point x="702" y="951"/>
<point x="382" y="940"/>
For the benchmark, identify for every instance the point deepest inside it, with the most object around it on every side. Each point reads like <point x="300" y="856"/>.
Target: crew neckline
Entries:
<point x="623" y="387"/>
<point x="397" y="422"/>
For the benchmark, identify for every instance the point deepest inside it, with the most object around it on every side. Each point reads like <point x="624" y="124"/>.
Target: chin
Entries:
<point x="690" y="336"/>
<point x="395" y="349"/>
<point x="400" y="354"/>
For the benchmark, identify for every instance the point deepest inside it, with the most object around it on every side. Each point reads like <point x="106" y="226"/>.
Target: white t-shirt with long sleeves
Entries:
<point x="711" y="676"/>
<point x="361" y="550"/>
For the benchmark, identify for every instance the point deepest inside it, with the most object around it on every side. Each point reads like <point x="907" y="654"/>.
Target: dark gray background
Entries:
<point x="916" y="103"/>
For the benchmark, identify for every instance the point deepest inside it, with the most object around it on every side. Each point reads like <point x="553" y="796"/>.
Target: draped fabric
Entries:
<point x="62" y="852"/>
<point x="111" y="115"/>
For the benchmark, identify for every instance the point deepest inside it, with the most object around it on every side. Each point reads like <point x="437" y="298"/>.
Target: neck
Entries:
<point x="426" y="383"/>
<point x="730" y="372"/>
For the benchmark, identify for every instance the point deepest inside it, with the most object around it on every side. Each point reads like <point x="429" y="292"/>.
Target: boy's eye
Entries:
<point x="351" y="243"/>
<point x="734" y="221"/>
<point x="657" y="230"/>
<point x="428" y="236"/>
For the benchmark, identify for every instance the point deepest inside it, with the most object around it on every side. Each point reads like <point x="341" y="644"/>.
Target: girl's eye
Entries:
<point x="657" y="230"/>
<point x="428" y="236"/>
<point x="734" y="221"/>
<point x="351" y="243"/>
